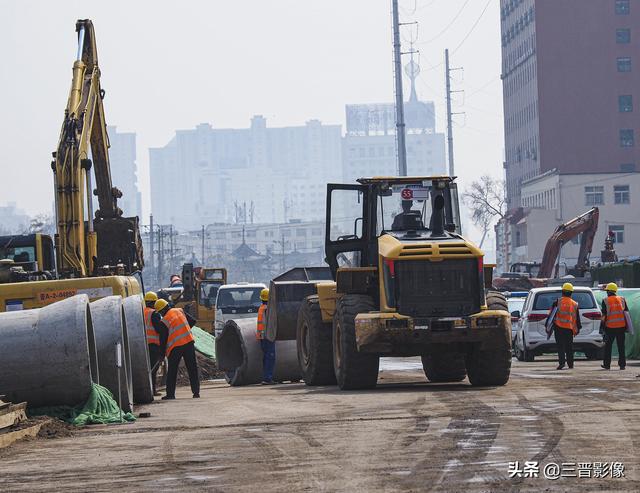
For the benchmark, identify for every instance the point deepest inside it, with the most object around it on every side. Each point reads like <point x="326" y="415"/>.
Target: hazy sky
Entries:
<point x="170" y="65"/>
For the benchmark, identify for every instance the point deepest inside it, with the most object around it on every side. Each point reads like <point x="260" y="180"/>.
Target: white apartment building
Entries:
<point x="553" y="198"/>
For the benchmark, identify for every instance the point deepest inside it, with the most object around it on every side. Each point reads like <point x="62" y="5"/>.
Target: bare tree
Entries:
<point x="486" y="199"/>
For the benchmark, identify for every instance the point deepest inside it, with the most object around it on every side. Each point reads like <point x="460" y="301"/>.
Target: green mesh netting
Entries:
<point x="100" y="408"/>
<point x="205" y="342"/>
<point x="632" y="342"/>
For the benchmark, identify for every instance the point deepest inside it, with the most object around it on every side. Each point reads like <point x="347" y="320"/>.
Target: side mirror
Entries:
<point x="516" y="314"/>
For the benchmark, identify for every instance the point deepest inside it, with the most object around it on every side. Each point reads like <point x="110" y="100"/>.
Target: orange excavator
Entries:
<point x="538" y="273"/>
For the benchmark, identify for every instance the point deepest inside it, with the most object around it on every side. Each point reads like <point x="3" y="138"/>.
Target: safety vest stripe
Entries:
<point x="179" y="330"/>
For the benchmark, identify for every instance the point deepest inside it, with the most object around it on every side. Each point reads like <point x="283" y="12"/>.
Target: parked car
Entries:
<point x="239" y="300"/>
<point x="531" y="337"/>
<point x="515" y="302"/>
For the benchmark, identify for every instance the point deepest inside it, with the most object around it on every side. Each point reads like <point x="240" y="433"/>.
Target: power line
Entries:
<point x="472" y="27"/>
<point x="447" y="26"/>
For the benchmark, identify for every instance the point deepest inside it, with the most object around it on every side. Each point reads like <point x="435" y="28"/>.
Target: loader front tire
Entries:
<point x="353" y="370"/>
<point x="314" y="344"/>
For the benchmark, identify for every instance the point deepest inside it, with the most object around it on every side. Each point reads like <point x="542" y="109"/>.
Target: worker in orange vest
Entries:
<point x="566" y="325"/>
<point x="180" y="345"/>
<point x="157" y="334"/>
<point x="614" y="324"/>
<point x="268" y="347"/>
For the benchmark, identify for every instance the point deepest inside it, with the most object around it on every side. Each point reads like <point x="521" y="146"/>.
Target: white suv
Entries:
<point x="240" y="300"/>
<point x="531" y="337"/>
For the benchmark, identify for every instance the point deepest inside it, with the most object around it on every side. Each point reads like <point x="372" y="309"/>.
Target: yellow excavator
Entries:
<point x="96" y="254"/>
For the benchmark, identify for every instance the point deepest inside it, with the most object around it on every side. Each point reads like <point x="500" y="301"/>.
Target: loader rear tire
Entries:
<point x="314" y="344"/>
<point x="491" y="367"/>
<point x="353" y="370"/>
<point x="444" y="367"/>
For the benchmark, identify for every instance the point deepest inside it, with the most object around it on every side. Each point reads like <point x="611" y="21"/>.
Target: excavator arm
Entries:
<point x="587" y="224"/>
<point x="108" y="243"/>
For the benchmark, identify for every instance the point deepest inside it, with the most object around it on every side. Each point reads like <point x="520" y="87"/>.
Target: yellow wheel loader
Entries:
<point x="405" y="283"/>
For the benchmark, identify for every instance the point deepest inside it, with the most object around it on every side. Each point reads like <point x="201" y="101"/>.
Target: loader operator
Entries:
<point x="268" y="347"/>
<point x="614" y="325"/>
<point x="156" y="335"/>
<point x="566" y="325"/>
<point x="407" y="219"/>
<point x="180" y="345"/>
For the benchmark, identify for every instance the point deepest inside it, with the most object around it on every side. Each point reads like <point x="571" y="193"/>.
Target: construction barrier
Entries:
<point x="138" y="350"/>
<point x="632" y="297"/>
<point x="239" y="355"/>
<point x="48" y="355"/>
<point x="109" y="327"/>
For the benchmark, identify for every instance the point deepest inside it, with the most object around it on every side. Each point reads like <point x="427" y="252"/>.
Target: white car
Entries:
<point x="515" y="303"/>
<point x="240" y="300"/>
<point x="531" y="337"/>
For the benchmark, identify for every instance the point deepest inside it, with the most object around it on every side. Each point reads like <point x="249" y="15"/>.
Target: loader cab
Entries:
<point x="410" y="209"/>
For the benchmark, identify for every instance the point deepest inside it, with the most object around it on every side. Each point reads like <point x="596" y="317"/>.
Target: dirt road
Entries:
<point x="406" y="435"/>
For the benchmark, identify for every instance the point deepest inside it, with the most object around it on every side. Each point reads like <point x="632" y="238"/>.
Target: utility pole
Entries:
<point x="202" y="258"/>
<point x="151" y="238"/>
<point x="447" y="74"/>
<point x="160" y="255"/>
<point x="171" y="248"/>
<point x="397" y="63"/>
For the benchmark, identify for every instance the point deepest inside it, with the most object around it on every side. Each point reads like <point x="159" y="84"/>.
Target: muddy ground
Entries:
<point x="406" y="435"/>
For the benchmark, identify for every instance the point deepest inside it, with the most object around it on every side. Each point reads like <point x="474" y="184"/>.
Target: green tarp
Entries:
<point x="100" y="408"/>
<point x="205" y="342"/>
<point x="632" y="296"/>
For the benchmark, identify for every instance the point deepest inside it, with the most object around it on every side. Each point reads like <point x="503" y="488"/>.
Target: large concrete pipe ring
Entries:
<point x="110" y="328"/>
<point x="239" y="354"/>
<point x="138" y="350"/>
<point x="48" y="355"/>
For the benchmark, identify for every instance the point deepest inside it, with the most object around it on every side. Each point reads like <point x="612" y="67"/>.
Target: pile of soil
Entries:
<point x="207" y="370"/>
<point x="56" y="428"/>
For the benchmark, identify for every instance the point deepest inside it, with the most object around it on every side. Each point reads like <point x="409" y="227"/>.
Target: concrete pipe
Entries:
<point x="138" y="350"/>
<point x="239" y="354"/>
<point x="110" y="328"/>
<point x="48" y="355"/>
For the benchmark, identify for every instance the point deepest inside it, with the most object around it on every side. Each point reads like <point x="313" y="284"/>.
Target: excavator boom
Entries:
<point x="86" y="245"/>
<point x="587" y="224"/>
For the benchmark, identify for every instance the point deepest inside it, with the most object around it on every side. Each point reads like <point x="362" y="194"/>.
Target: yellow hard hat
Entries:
<point x="150" y="296"/>
<point x="160" y="305"/>
<point x="567" y="286"/>
<point x="612" y="286"/>
<point x="264" y="294"/>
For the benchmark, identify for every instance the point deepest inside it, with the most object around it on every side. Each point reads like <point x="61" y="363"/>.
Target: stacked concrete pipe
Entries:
<point x="109" y="326"/>
<point x="48" y="355"/>
<point x="138" y="349"/>
<point x="239" y="354"/>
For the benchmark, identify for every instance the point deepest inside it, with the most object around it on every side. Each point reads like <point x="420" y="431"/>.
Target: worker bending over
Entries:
<point x="614" y="325"/>
<point x="268" y="347"/>
<point x="180" y="345"/>
<point x="156" y="336"/>
<point x="566" y="325"/>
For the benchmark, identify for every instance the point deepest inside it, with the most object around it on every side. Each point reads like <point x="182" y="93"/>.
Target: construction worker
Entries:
<point x="156" y="335"/>
<point x="566" y="325"/>
<point x="407" y="219"/>
<point x="268" y="347"/>
<point x="180" y="345"/>
<point x="614" y="325"/>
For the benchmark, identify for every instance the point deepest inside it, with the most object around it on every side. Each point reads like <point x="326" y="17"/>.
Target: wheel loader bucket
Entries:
<point x="286" y="293"/>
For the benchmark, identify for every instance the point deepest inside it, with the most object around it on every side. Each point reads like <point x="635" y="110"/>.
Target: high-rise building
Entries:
<point x="369" y="146"/>
<point x="122" y="156"/>
<point x="571" y="73"/>
<point x="252" y="175"/>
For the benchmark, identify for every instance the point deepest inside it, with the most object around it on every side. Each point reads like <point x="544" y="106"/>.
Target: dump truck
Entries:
<point x="403" y="281"/>
<point x="98" y="254"/>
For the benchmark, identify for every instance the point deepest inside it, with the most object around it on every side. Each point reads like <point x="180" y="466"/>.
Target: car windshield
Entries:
<point x="545" y="300"/>
<point x="406" y="207"/>
<point x="515" y="304"/>
<point x="238" y="297"/>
